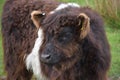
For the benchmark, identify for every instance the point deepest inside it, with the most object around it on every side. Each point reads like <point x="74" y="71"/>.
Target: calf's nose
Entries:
<point x="45" y="57"/>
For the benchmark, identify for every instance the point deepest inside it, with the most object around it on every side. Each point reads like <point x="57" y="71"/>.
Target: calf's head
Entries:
<point x="62" y="34"/>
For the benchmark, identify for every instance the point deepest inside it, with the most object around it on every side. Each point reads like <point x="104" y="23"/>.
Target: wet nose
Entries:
<point x="49" y="55"/>
<point x="45" y="57"/>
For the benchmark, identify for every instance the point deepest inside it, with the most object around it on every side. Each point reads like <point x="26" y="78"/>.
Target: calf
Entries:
<point x="53" y="41"/>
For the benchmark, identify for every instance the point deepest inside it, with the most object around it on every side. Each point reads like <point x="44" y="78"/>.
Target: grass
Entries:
<point x="114" y="40"/>
<point x="1" y="50"/>
<point x="110" y="10"/>
<point x="113" y="35"/>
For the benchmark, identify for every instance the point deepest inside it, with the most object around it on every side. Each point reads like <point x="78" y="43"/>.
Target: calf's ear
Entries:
<point x="84" y="24"/>
<point x="36" y="17"/>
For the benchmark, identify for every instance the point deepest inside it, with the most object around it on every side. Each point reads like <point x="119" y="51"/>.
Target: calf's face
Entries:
<point x="58" y="46"/>
<point x="62" y="34"/>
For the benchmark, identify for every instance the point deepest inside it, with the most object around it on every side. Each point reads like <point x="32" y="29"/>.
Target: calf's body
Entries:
<point x="69" y="42"/>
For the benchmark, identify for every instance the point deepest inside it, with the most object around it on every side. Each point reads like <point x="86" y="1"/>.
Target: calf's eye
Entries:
<point x="65" y="38"/>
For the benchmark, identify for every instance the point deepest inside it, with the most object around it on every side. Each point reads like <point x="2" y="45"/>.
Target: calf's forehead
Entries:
<point x="63" y="16"/>
<point x="59" y="20"/>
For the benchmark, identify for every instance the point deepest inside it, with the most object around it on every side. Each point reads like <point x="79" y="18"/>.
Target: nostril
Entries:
<point x="45" y="56"/>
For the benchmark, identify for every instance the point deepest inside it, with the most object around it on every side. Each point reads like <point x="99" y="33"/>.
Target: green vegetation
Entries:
<point x="113" y="32"/>
<point x="1" y="51"/>
<point x="114" y="40"/>
<point x="110" y="10"/>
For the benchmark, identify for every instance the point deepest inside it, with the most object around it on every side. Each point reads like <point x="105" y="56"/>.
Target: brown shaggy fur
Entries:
<point x="87" y="55"/>
<point x="88" y="58"/>
<point x="19" y="34"/>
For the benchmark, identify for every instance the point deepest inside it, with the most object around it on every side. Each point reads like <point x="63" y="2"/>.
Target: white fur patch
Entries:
<point x="32" y="60"/>
<point x="62" y="6"/>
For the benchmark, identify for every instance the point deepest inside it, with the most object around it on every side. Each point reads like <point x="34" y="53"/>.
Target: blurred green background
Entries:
<point x="110" y="11"/>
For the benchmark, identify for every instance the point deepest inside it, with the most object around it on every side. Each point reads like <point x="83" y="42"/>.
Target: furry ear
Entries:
<point x="36" y="17"/>
<point x="84" y="24"/>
